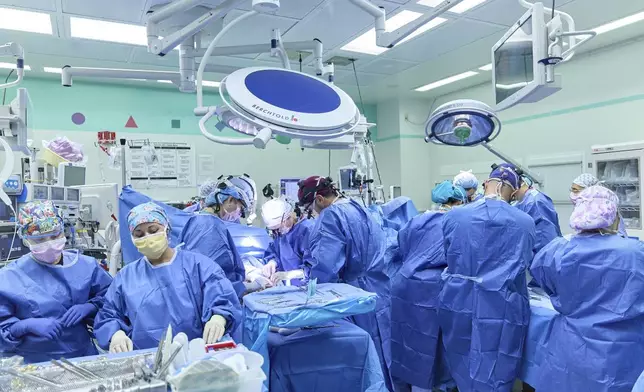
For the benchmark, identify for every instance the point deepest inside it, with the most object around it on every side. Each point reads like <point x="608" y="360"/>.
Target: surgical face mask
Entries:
<point x="574" y="197"/>
<point x="48" y="252"/>
<point x="152" y="246"/>
<point x="233" y="216"/>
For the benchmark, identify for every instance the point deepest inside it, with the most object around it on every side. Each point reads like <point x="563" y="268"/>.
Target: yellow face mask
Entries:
<point x="152" y="246"/>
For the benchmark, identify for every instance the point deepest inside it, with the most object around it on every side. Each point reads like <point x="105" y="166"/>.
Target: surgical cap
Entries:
<point x="596" y="208"/>
<point x="313" y="186"/>
<point x="147" y="213"/>
<point x="223" y="192"/>
<point x="466" y="180"/>
<point x="445" y="191"/>
<point x="507" y="174"/>
<point x="276" y="211"/>
<point x="586" y="180"/>
<point x="207" y="188"/>
<point x="39" y="218"/>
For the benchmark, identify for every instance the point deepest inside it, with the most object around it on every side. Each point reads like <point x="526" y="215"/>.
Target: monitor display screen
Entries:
<point x="57" y="194"/>
<point x="289" y="187"/>
<point x="74" y="175"/>
<point x="514" y="62"/>
<point x="73" y="194"/>
<point x="41" y="192"/>
<point x="346" y="179"/>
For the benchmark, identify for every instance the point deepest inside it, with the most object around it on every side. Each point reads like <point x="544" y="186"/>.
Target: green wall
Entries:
<point x="108" y="106"/>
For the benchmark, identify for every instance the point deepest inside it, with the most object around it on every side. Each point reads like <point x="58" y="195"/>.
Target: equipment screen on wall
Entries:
<point x="57" y="193"/>
<point x="172" y="167"/>
<point x="73" y="175"/>
<point x="514" y="62"/>
<point x="73" y="195"/>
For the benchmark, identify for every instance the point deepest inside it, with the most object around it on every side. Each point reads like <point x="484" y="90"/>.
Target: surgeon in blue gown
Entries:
<point x="285" y="256"/>
<point x="166" y="286"/>
<point x="208" y="235"/>
<point x="595" y="280"/>
<point x="348" y="246"/>
<point x="415" y="333"/>
<point x="49" y="296"/>
<point x="484" y="309"/>
<point x="542" y="210"/>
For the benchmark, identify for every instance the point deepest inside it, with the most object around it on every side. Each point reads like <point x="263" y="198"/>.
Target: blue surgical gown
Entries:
<point x="348" y="246"/>
<point x="484" y="309"/>
<point x="415" y="333"/>
<point x="207" y="234"/>
<point x="289" y="251"/>
<point x="185" y="293"/>
<point x="193" y="208"/>
<point x="31" y="289"/>
<point x="542" y="210"/>
<point x="596" y="283"/>
<point x="249" y="240"/>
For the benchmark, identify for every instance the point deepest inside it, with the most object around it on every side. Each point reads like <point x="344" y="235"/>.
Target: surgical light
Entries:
<point x="462" y="123"/>
<point x="469" y="123"/>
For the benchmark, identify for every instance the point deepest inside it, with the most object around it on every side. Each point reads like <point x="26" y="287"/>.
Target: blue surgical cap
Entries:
<point x="219" y="195"/>
<point x="446" y="191"/>
<point x="467" y="180"/>
<point x="507" y="174"/>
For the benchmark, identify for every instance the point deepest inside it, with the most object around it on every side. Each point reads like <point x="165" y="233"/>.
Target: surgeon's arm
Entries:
<point x="219" y="296"/>
<point x="328" y="250"/>
<point x="544" y="267"/>
<point x="100" y="283"/>
<point x="8" y="342"/>
<point x="112" y="317"/>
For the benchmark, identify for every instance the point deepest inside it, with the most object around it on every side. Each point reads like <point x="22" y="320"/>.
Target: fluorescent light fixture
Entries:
<point x="446" y="81"/>
<point x="29" y="21"/>
<point x="13" y="66"/>
<point x="619" y="23"/>
<point x="466" y="5"/>
<point x="53" y="70"/>
<point x="366" y="43"/>
<point x="208" y="83"/>
<point x="165" y="81"/>
<point x="101" y="30"/>
<point x="486" y="67"/>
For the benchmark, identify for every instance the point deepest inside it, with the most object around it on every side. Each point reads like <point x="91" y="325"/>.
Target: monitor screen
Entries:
<point x="514" y="62"/>
<point x="73" y="194"/>
<point x="289" y="187"/>
<point x="346" y="179"/>
<point x="74" y="175"/>
<point x="57" y="193"/>
<point x="41" y="192"/>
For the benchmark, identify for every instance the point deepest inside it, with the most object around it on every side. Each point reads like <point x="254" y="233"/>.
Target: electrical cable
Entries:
<point x="553" y="9"/>
<point x="369" y="141"/>
<point x="300" y="61"/>
<point x="431" y="109"/>
<point x="4" y="94"/>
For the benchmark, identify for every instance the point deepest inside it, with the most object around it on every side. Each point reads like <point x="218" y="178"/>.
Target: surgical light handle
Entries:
<point x="386" y="39"/>
<point x="536" y="178"/>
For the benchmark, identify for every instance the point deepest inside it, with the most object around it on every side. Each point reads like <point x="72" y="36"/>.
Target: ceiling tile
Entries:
<point x="346" y="20"/>
<point x="36" y="5"/>
<point x="129" y="11"/>
<point x="386" y="66"/>
<point x="254" y="30"/>
<point x="292" y="8"/>
<point x="505" y="12"/>
<point x="586" y="16"/>
<point x="349" y="78"/>
<point x="443" y="39"/>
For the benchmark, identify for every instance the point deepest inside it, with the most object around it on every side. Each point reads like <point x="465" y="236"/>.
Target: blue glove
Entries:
<point x="78" y="313"/>
<point x="44" y="327"/>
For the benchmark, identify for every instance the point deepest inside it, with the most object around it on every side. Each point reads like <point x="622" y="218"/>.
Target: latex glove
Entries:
<point x="214" y="329"/>
<point x="78" y="313"/>
<point x="269" y="269"/>
<point x="44" y="327"/>
<point x="120" y="343"/>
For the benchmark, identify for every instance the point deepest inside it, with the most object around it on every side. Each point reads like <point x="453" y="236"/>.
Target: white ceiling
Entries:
<point x="462" y="43"/>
